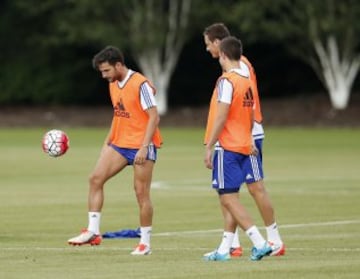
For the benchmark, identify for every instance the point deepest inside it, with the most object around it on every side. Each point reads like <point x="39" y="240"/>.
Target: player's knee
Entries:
<point x="95" y="179"/>
<point x="256" y="188"/>
<point x="143" y="199"/>
<point x="225" y="202"/>
<point x="141" y="191"/>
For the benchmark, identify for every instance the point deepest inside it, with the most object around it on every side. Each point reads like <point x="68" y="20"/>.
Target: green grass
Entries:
<point x="312" y="175"/>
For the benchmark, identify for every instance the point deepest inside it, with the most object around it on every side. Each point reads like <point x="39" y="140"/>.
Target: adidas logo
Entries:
<point x="249" y="176"/>
<point x="248" y="99"/>
<point x="120" y="110"/>
<point x="214" y="182"/>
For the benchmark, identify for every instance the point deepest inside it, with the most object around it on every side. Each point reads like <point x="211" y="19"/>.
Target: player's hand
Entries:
<point x="254" y="150"/>
<point x="140" y="157"/>
<point x="208" y="158"/>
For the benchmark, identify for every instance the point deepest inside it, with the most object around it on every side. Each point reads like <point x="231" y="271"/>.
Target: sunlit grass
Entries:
<point x="312" y="176"/>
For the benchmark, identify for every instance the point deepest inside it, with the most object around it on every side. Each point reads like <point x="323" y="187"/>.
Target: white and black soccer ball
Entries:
<point x="55" y="143"/>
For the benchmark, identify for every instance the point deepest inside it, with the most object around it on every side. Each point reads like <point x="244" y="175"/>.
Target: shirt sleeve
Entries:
<point x="225" y="91"/>
<point x="147" y="97"/>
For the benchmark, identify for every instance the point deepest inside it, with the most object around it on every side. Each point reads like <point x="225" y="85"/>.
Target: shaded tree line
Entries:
<point x="47" y="46"/>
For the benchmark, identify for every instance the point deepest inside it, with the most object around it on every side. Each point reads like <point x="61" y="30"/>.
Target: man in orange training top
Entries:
<point x="133" y="139"/>
<point x="229" y="130"/>
<point x="213" y="34"/>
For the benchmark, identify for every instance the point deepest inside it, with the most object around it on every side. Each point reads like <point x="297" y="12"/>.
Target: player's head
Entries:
<point x="213" y="34"/>
<point x="110" y="62"/>
<point x="230" y="50"/>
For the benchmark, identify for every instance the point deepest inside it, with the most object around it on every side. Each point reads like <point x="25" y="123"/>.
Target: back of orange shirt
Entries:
<point x="257" y="113"/>
<point x="236" y="135"/>
<point x="130" y="120"/>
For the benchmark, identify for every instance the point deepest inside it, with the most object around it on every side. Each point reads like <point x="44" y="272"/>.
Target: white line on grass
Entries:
<point x="289" y="226"/>
<point x="102" y="248"/>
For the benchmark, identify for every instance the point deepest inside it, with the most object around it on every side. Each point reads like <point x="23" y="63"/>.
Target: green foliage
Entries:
<point x="56" y="29"/>
<point x="296" y="23"/>
<point x="46" y="45"/>
<point x="37" y="77"/>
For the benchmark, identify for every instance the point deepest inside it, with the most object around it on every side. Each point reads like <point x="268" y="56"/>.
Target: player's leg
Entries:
<point x="110" y="162"/>
<point x="229" y="224"/>
<point x="262" y="200"/>
<point x="231" y="202"/>
<point x="226" y="173"/>
<point x="256" y="187"/>
<point x="233" y="165"/>
<point x="142" y="184"/>
<point x="222" y="252"/>
<point x="228" y="234"/>
<point x="236" y="248"/>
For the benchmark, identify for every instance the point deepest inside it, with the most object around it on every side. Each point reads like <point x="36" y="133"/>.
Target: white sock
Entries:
<point x="236" y="240"/>
<point x="255" y="237"/>
<point x="273" y="234"/>
<point x="226" y="243"/>
<point x="94" y="222"/>
<point x="145" y="234"/>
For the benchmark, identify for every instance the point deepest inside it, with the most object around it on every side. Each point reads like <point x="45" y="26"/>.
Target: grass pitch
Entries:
<point x="312" y="176"/>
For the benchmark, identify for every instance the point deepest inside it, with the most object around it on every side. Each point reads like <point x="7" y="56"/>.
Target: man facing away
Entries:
<point x="133" y="140"/>
<point x="228" y="131"/>
<point x="213" y="34"/>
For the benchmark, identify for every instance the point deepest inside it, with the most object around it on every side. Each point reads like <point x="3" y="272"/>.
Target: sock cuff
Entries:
<point x="272" y="226"/>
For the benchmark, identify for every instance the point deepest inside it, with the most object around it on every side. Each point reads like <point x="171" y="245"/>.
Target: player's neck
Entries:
<point x="231" y="65"/>
<point x="122" y="73"/>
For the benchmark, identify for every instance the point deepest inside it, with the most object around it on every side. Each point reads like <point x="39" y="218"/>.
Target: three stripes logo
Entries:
<point x="248" y="99"/>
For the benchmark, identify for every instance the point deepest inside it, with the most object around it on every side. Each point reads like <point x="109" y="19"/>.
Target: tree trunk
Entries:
<point x="162" y="84"/>
<point x="338" y="74"/>
<point x="158" y="62"/>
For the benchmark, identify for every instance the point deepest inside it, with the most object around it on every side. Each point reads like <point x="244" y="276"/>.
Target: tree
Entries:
<point x="323" y="33"/>
<point x="157" y="34"/>
<point x="154" y="31"/>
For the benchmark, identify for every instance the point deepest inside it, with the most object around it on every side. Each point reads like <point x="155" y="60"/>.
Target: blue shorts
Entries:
<point x="253" y="166"/>
<point x="129" y="153"/>
<point x="232" y="169"/>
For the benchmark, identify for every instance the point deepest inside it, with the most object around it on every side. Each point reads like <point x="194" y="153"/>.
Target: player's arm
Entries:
<point x="254" y="150"/>
<point x="148" y="104"/>
<point x="219" y="123"/>
<point x="107" y="138"/>
<point x="225" y="91"/>
<point x="153" y="123"/>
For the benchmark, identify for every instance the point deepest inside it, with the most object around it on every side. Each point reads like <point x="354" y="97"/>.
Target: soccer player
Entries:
<point x="133" y="139"/>
<point x="229" y="130"/>
<point x="213" y="35"/>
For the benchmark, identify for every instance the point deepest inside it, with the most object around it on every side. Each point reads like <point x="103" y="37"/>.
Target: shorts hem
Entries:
<point x="227" y="191"/>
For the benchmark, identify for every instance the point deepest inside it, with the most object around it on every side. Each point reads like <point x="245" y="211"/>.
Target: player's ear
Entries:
<point x="118" y="65"/>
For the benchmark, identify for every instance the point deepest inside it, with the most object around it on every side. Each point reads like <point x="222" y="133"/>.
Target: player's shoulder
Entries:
<point x="240" y="72"/>
<point x="136" y="75"/>
<point x="245" y="60"/>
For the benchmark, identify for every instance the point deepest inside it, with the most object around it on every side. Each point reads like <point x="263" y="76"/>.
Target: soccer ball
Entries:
<point x="55" y="143"/>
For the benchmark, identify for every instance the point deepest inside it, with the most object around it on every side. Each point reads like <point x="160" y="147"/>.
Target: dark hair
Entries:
<point x="109" y="54"/>
<point x="216" y="31"/>
<point x="231" y="47"/>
